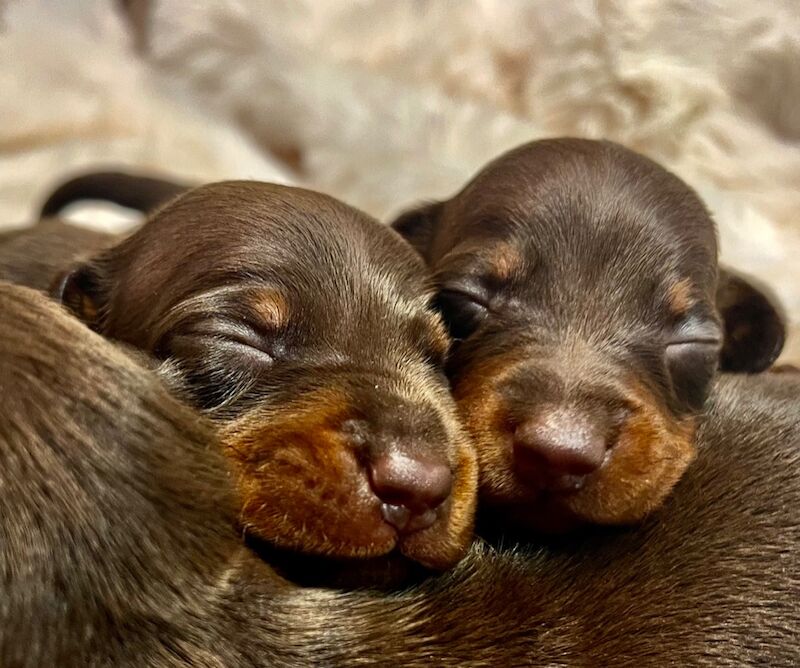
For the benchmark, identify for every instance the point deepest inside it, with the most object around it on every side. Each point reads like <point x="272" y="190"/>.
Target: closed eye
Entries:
<point x="691" y="356"/>
<point x="235" y="336"/>
<point x="218" y="360"/>
<point x="697" y="332"/>
<point x="212" y="382"/>
<point x="711" y="343"/>
<point x="462" y="310"/>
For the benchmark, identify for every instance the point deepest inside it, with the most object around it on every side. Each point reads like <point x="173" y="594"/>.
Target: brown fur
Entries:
<point x="581" y="283"/>
<point x="680" y="298"/>
<point x="297" y="475"/>
<point x="35" y="256"/>
<point x="289" y="318"/>
<point x="119" y="544"/>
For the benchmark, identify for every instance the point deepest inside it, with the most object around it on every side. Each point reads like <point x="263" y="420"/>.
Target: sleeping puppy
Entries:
<point x="304" y="329"/>
<point x="580" y="282"/>
<point x="549" y="413"/>
<point x="118" y="544"/>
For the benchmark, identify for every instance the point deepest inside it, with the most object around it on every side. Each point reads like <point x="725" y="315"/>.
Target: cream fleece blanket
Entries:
<point x="384" y="103"/>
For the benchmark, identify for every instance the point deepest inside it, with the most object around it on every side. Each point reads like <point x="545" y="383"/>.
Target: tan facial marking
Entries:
<point x="649" y="456"/>
<point x="680" y="297"/>
<point x="484" y="415"/>
<point x="504" y="261"/>
<point x="438" y="337"/>
<point x="302" y="486"/>
<point x="299" y="484"/>
<point x="271" y="307"/>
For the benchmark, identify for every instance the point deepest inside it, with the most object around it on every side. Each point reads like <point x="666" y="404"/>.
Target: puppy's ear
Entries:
<point x="81" y="290"/>
<point x="417" y="226"/>
<point x="754" y="328"/>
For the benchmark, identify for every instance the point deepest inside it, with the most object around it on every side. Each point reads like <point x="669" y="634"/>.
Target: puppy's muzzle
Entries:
<point x="410" y="476"/>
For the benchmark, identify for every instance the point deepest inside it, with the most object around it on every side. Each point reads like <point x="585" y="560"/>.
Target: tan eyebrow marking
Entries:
<point x="439" y="338"/>
<point x="504" y="261"/>
<point x="680" y="297"/>
<point x="271" y="307"/>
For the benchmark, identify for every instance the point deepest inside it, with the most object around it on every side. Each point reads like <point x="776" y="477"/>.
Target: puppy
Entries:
<point x="580" y="282"/>
<point x="709" y="579"/>
<point x="549" y="413"/>
<point x="118" y="543"/>
<point x="303" y="329"/>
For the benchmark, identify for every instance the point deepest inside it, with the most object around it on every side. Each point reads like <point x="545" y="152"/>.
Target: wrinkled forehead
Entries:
<point x="311" y="249"/>
<point x="581" y="209"/>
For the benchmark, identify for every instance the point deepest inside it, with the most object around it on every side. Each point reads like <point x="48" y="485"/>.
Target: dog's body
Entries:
<point x="119" y="546"/>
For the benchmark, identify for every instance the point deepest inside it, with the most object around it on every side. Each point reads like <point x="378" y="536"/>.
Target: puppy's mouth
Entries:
<point x="306" y="485"/>
<point x="560" y="485"/>
<point x="360" y="527"/>
<point x="388" y="572"/>
<point x="330" y="510"/>
<point x="405" y="521"/>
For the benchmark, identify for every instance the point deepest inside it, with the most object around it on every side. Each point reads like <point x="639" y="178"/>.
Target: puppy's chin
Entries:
<point x="649" y="457"/>
<point x="302" y="489"/>
<point x="389" y="572"/>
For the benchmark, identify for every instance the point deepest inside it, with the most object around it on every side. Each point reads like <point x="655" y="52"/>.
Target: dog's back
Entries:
<point x="116" y="525"/>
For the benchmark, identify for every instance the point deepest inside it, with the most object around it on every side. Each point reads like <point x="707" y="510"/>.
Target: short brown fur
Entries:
<point x="580" y="282"/>
<point x="119" y="545"/>
<point x="293" y="320"/>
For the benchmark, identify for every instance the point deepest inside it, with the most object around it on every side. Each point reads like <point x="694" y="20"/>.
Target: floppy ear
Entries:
<point x="417" y="226"/>
<point x="753" y="326"/>
<point x="80" y="290"/>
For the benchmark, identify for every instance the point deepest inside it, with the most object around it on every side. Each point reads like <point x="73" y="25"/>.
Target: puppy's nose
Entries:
<point x="558" y="443"/>
<point x="411" y="489"/>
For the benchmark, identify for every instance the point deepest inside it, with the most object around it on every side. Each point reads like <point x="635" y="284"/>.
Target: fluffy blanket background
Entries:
<point x="385" y="103"/>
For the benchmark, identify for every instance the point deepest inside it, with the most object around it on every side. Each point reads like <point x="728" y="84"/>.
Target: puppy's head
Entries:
<point x="305" y="328"/>
<point x="579" y="280"/>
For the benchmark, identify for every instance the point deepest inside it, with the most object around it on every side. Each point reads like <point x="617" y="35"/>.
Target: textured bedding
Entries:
<point x="386" y="103"/>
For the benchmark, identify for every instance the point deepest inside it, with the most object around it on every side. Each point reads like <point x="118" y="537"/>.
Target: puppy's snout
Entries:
<point x="411" y="489"/>
<point x="559" y="446"/>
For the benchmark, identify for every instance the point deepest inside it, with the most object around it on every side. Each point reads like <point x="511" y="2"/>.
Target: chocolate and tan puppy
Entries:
<point x="118" y="543"/>
<point x="304" y="329"/>
<point x="580" y="281"/>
